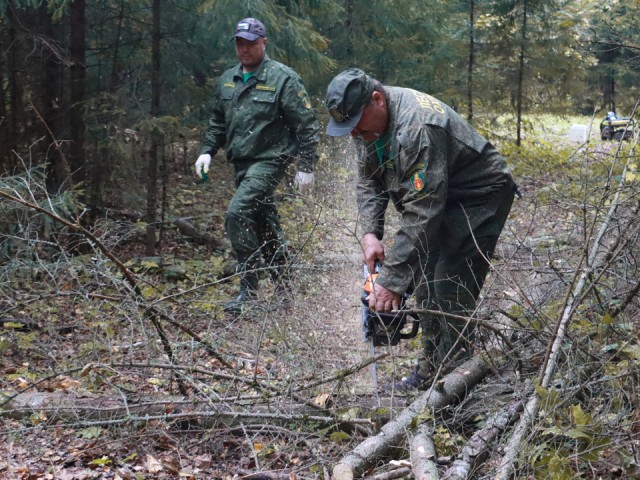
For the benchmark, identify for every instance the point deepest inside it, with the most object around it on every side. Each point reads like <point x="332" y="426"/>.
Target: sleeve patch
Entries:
<point x="418" y="180"/>
<point x="305" y="99"/>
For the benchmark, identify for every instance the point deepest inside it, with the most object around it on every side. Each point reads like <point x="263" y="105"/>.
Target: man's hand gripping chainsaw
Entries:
<point x="384" y="328"/>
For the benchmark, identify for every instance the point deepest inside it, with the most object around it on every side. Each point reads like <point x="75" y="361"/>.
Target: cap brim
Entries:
<point x="339" y="129"/>
<point x="252" y="37"/>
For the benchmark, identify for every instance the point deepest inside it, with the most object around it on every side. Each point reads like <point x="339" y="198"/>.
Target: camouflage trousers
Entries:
<point x="252" y="221"/>
<point x="450" y="278"/>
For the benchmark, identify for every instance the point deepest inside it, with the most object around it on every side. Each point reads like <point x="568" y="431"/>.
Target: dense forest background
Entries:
<point x="81" y="79"/>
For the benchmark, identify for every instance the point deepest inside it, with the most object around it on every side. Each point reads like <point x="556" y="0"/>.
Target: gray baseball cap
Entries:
<point x="347" y="95"/>
<point x="250" y="29"/>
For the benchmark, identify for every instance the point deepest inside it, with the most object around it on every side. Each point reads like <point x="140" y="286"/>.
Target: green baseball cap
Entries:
<point x="347" y="95"/>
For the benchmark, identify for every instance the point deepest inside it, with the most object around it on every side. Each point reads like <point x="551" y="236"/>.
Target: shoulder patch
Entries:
<point x="417" y="168"/>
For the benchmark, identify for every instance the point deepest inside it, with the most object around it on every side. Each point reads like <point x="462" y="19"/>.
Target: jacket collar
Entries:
<point x="260" y="75"/>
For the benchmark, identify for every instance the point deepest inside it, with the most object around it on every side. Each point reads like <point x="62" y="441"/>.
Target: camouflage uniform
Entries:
<point x="263" y="124"/>
<point x="454" y="192"/>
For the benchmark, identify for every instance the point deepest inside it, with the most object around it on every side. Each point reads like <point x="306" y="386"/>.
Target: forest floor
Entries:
<point x="91" y="343"/>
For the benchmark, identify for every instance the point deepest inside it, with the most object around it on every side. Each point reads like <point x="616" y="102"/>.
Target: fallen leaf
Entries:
<point x="323" y="400"/>
<point x="153" y="464"/>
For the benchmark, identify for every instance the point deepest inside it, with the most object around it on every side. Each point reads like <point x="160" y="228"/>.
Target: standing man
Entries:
<point x="453" y="191"/>
<point x="262" y="115"/>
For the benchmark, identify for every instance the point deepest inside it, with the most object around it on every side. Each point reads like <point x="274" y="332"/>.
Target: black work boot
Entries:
<point x="248" y="293"/>
<point x="414" y="381"/>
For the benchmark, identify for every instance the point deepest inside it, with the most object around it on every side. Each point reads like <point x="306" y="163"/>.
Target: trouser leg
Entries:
<point x="454" y="275"/>
<point x="252" y="220"/>
<point x="252" y="223"/>
<point x="459" y="280"/>
<point x="274" y="245"/>
<point x="450" y="285"/>
<point x="425" y="296"/>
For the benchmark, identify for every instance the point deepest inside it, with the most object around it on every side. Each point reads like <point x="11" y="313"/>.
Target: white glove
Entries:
<point x="303" y="181"/>
<point x="202" y="164"/>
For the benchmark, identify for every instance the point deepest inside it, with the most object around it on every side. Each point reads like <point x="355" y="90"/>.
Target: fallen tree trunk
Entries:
<point x="93" y="410"/>
<point x="453" y="387"/>
<point x="68" y="406"/>
<point x="423" y="454"/>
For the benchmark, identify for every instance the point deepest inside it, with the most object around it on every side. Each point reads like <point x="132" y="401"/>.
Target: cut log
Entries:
<point x="453" y="387"/>
<point x="423" y="454"/>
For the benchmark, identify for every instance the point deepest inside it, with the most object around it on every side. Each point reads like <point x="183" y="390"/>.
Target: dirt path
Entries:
<point x="331" y="303"/>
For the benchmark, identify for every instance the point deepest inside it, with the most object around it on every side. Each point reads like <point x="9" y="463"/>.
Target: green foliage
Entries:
<point x="26" y="233"/>
<point x="339" y="437"/>
<point x="610" y="37"/>
<point x="554" y="466"/>
<point x="90" y="432"/>
<point x="571" y="437"/>
<point x="552" y="68"/>
<point x="293" y="28"/>
<point x="535" y="157"/>
<point x="446" y="442"/>
<point x="101" y="462"/>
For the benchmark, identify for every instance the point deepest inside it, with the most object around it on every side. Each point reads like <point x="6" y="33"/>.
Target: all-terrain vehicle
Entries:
<point x="617" y="128"/>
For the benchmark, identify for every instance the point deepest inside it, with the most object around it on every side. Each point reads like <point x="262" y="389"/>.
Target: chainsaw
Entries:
<point x="384" y="328"/>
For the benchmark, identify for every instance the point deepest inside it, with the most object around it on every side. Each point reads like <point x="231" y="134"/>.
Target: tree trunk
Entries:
<point x="612" y="90"/>
<point x="77" y="49"/>
<point x="520" y="94"/>
<point x="350" y="31"/>
<point x="114" y="80"/>
<point x="115" y="410"/>
<point x="189" y="230"/>
<point x="152" y="180"/>
<point x="5" y="147"/>
<point x="16" y="92"/>
<point x="472" y="54"/>
<point x="476" y="449"/>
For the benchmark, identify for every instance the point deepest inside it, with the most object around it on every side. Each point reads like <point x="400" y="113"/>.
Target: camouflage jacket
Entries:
<point x="268" y="117"/>
<point x="431" y="158"/>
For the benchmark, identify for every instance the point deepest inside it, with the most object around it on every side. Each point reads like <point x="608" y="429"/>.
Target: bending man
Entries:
<point x="453" y="191"/>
